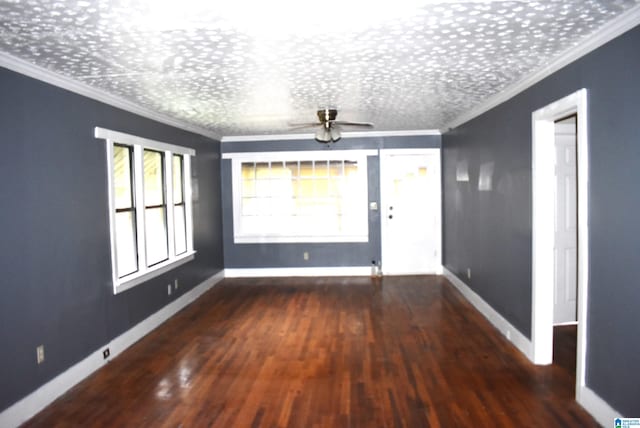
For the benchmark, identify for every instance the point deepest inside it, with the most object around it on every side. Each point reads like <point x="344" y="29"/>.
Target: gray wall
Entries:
<point x="54" y="252"/>
<point x="490" y="232"/>
<point x="320" y="254"/>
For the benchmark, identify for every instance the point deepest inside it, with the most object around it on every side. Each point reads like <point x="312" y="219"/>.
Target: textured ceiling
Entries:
<point x="251" y="67"/>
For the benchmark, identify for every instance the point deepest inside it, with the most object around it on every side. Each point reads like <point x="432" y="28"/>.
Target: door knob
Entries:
<point x="390" y="216"/>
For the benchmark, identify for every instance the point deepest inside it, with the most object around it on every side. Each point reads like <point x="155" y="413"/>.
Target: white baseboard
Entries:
<point x="435" y="271"/>
<point x="601" y="411"/>
<point x="50" y="391"/>
<point x="520" y="341"/>
<point x="310" y="271"/>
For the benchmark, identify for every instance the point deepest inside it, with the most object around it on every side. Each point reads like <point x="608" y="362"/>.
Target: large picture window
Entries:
<point x="150" y="207"/>
<point x="300" y="197"/>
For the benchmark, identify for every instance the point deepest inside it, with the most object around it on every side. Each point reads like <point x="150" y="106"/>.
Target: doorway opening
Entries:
<point x="565" y="296"/>
<point x="551" y="258"/>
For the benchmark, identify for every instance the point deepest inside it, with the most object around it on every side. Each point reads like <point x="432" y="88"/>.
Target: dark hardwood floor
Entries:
<point x="323" y="352"/>
<point x="565" y="338"/>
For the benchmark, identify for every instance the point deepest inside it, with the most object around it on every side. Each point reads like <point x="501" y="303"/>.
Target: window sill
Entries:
<point x="138" y="278"/>
<point x="299" y="239"/>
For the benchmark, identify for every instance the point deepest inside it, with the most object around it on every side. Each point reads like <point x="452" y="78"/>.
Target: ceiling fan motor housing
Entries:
<point x="328" y="114"/>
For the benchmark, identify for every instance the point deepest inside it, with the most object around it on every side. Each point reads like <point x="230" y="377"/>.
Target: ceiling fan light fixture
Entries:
<point x="335" y="133"/>
<point x="328" y="134"/>
<point x="323" y="135"/>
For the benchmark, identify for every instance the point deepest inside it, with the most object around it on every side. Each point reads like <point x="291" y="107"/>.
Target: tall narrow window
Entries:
<point x="125" y="216"/>
<point x="155" y="208"/>
<point x="179" y="206"/>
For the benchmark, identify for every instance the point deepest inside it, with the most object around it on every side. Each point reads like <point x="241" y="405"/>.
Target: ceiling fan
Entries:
<point x="330" y="129"/>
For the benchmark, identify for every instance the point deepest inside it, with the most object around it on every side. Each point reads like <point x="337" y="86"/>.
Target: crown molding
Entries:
<point x="408" y="133"/>
<point x="266" y="137"/>
<point x="606" y="33"/>
<point x="40" y="73"/>
<point x="358" y="134"/>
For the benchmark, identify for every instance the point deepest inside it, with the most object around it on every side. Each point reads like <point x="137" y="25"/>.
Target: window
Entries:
<point x="155" y="208"/>
<point x="125" y="210"/>
<point x="300" y="196"/>
<point x="150" y="207"/>
<point x="179" y="209"/>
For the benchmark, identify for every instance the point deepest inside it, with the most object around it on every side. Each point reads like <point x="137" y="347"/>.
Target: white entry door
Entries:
<point x="566" y="218"/>
<point x="410" y="211"/>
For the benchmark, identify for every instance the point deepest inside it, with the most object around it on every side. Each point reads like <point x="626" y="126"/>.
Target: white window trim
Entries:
<point x="238" y="158"/>
<point x="144" y="272"/>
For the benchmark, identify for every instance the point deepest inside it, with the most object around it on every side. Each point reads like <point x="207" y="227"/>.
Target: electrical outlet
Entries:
<point x="106" y="353"/>
<point x="175" y="284"/>
<point x="468" y="273"/>
<point x="40" y="354"/>
<point x="306" y="255"/>
<point x="169" y="290"/>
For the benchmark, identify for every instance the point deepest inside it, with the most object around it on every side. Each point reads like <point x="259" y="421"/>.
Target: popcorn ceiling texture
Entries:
<point x="252" y="67"/>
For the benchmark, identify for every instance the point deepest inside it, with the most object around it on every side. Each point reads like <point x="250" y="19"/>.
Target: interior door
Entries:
<point x="566" y="218"/>
<point x="410" y="204"/>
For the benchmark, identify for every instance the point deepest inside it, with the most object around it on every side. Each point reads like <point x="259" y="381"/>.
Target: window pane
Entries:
<point x="127" y="256"/>
<point x="336" y="168"/>
<point x="122" y="176"/>
<point x="350" y="168"/>
<point x="336" y="186"/>
<point x="293" y="169"/>
<point x="278" y="170"/>
<point x="250" y="206"/>
<point x="321" y="169"/>
<point x="177" y="180"/>
<point x="248" y="171"/>
<point x="305" y="189"/>
<point x="156" y="234"/>
<point x="322" y="187"/>
<point x="262" y="170"/>
<point x="180" y="229"/>
<point x="153" y="178"/>
<point x="306" y="169"/>
<point x="281" y="188"/>
<point x="248" y="188"/>
<point x="263" y="188"/>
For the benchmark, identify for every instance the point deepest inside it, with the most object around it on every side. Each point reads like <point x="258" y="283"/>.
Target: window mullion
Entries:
<point x="168" y="186"/>
<point x="138" y="173"/>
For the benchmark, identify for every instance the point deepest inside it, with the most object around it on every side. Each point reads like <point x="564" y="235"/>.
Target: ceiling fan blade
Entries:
<point x="343" y="123"/>
<point x="303" y="125"/>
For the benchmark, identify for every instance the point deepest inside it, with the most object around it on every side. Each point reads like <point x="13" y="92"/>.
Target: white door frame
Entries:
<point x="384" y="232"/>
<point x="543" y="200"/>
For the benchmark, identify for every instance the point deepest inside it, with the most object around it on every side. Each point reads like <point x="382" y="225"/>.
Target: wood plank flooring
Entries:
<point x="323" y="352"/>
<point x="565" y="340"/>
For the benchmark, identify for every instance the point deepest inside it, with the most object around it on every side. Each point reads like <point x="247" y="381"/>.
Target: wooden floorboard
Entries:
<point x="323" y="352"/>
